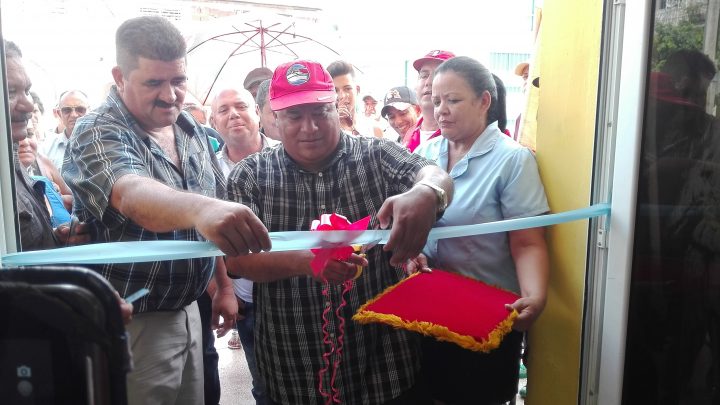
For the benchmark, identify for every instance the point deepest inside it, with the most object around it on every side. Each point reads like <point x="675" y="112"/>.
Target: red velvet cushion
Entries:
<point x="445" y="305"/>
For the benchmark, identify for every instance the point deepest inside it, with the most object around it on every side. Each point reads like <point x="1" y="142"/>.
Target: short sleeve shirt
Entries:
<point x="379" y="362"/>
<point x="108" y="143"/>
<point x="497" y="179"/>
<point x="55" y="149"/>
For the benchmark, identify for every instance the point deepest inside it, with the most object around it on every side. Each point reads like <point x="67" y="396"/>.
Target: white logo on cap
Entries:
<point x="392" y="94"/>
<point x="324" y="98"/>
<point x="297" y="74"/>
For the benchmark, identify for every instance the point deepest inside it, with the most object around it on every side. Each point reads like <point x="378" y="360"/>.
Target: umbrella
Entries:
<point x="222" y="51"/>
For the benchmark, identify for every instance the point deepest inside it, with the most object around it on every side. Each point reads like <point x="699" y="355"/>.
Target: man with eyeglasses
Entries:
<point x="73" y="104"/>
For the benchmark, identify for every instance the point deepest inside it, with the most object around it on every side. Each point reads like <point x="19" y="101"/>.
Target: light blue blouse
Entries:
<point x="497" y="179"/>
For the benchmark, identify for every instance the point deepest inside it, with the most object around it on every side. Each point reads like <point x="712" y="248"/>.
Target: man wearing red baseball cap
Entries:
<point x="318" y="169"/>
<point x="427" y="127"/>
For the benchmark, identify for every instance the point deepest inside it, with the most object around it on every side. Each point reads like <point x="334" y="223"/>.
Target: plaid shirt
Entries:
<point x="107" y="144"/>
<point x="378" y="362"/>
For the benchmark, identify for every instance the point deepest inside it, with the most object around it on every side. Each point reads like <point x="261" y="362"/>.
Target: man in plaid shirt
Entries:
<point x="320" y="170"/>
<point x="142" y="170"/>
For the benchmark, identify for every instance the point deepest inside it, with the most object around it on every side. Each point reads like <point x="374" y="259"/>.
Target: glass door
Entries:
<point x="672" y="348"/>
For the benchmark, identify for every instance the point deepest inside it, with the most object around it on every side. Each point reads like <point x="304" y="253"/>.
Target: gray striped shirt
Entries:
<point x="108" y="143"/>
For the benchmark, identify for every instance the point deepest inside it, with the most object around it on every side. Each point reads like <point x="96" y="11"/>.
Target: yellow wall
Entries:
<point x="568" y="57"/>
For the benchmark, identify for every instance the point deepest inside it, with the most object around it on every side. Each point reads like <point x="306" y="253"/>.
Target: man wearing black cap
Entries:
<point x="319" y="169"/>
<point x="402" y="111"/>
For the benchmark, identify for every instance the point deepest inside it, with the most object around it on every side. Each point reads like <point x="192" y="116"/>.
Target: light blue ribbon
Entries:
<point x="150" y="251"/>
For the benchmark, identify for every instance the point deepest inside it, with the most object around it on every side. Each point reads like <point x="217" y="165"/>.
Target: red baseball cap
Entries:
<point x="437" y="54"/>
<point x="662" y="87"/>
<point x="300" y="82"/>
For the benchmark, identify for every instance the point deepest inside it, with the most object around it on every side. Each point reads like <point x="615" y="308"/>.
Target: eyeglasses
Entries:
<point x="68" y="110"/>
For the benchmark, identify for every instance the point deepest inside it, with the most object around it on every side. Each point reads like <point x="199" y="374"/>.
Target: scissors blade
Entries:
<point x="369" y="245"/>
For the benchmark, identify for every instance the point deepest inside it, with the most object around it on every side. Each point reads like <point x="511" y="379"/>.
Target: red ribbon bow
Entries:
<point x="334" y="222"/>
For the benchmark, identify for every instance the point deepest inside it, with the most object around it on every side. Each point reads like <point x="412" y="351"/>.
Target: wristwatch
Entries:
<point x="442" y="200"/>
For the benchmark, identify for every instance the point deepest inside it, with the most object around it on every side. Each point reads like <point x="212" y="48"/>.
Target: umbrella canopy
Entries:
<point x="221" y="52"/>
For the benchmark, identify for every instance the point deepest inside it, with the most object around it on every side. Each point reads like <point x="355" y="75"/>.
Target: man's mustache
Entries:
<point x="162" y="104"/>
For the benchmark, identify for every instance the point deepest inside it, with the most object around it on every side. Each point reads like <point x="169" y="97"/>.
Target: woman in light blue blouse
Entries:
<point x="495" y="178"/>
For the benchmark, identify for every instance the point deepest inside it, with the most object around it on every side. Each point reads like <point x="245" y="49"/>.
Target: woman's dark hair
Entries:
<point x="498" y="109"/>
<point x="480" y="80"/>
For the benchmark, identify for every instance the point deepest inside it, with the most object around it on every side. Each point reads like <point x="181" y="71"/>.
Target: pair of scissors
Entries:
<point x="361" y="250"/>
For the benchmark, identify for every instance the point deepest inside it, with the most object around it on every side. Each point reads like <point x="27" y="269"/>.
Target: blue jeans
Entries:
<point x="246" y="332"/>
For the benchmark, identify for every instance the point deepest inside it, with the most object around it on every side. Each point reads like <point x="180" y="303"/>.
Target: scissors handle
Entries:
<point x="74" y="221"/>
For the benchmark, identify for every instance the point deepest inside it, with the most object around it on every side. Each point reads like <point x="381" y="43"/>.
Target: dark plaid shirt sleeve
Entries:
<point x="400" y="166"/>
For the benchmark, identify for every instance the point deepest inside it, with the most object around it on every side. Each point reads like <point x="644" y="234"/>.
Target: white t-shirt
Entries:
<point x="364" y="125"/>
<point x="425" y="135"/>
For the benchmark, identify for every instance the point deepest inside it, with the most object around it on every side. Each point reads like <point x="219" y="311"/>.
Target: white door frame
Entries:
<point x="609" y="359"/>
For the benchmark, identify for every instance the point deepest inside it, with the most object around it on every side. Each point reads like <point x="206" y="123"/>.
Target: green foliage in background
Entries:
<point x="672" y="37"/>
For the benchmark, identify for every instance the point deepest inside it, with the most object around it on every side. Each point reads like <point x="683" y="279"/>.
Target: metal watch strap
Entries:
<point x="439" y="194"/>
